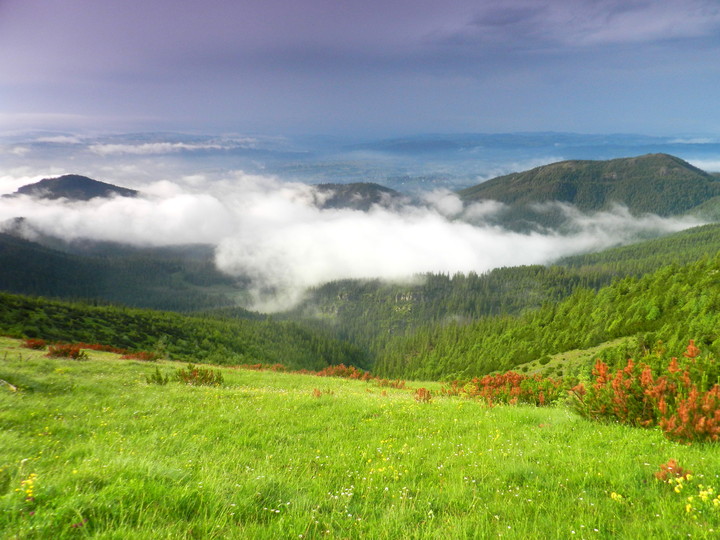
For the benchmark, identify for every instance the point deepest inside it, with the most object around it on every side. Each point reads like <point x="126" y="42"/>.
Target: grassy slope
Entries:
<point x="262" y="457"/>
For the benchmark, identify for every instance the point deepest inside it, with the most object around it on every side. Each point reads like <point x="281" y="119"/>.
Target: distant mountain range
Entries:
<point x="73" y="187"/>
<point x="185" y="278"/>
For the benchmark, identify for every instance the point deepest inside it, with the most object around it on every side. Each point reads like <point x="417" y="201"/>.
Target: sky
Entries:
<point x="361" y="67"/>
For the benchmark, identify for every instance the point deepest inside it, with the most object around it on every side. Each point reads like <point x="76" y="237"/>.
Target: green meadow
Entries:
<point x="91" y="449"/>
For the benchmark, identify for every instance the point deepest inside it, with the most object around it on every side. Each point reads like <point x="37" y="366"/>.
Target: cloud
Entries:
<point x="19" y="151"/>
<point x="592" y="22"/>
<point x="272" y="232"/>
<point x="709" y="165"/>
<point x="694" y="140"/>
<point x="59" y="139"/>
<point x="164" y="147"/>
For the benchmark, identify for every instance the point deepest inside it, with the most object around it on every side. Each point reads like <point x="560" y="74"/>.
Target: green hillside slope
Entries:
<point x="654" y="183"/>
<point x="372" y="312"/>
<point x="672" y="304"/>
<point x="196" y="339"/>
<point x="178" y="279"/>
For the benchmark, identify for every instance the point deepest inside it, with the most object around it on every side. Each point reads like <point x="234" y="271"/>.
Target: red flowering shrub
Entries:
<point x="510" y="388"/>
<point x="341" y="371"/>
<point x="145" y="356"/>
<point x="388" y="383"/>
<point x="423" y="395"/>
<point x="671" y="470"/>
<point x="679" y="400"/>
<point x="64" y="350"/>
<point x="35" y="344"/>
<point x="102" y="348"/>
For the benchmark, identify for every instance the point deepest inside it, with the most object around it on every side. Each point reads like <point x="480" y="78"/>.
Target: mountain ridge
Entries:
<point x="652" y="183"/>
<point x="74" y="187"/>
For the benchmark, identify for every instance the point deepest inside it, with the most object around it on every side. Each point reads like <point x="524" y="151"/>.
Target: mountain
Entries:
<point x="356" y="196"/>
<point x="74" y="187"/>
<point x="653" y="183"/>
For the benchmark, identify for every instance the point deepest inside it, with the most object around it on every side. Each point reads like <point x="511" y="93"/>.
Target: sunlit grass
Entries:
<point x="265" y="457"/>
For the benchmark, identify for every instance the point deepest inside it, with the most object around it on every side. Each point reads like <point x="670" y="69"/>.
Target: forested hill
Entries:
<point x="372" y="312"/>
<point x="176" y="336"/>
<point x="654" y="183"/>
<point x="671" y="304"/>
<point x="173" y="278"/>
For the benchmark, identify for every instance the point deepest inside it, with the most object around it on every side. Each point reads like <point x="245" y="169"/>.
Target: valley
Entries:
<point x="428" y="406"/>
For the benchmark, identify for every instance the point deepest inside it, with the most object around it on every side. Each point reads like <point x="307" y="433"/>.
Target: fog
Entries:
<point x="272" y="231"/>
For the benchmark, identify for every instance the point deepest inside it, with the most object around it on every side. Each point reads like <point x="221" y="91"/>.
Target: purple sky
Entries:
<point x="361" y="66"/>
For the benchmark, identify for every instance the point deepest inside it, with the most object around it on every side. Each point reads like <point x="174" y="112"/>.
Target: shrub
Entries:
<point x="64" y="350"/>
<point x="35" y="344"/>
<point x="423" y="395"/>
<point x="397" y="384"/>
<point x="342" y="371"/>
<point x="671" y="469"/>
<point x="101" y="347"/>
<point x="510" y="388"/>
<point x="196" y="376"/>
<point x="677" y="399"/>
<point x="145" y="356"/>
<point x="158" y="378"/>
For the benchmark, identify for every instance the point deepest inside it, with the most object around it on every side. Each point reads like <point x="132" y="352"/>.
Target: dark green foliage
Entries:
<point x="357" y="196"/>
<point x="179" y="279"/>
<point x="157" y="378"/>
<point x="201" y="339"/>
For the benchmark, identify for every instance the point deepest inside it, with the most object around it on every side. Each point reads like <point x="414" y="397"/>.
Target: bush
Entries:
<point x="35" y="344"/>
<point x="64" y="350"/>
<point x="158" y="378"/>
<point x="677" y="398"/>
<point x="510" y="388"/>
<point x="196" y="376"/>
<point x="145" y="356"/>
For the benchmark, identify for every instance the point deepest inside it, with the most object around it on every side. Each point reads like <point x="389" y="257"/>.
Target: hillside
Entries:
<point x="73" y="187"/>
<point x="654" y="183"/>
<point x="177" y="278"/>
<point x="668" y="305"/>
<point x="180" y="337"/>
<point x="372" y="312"/>
<point x="92" y="449"/>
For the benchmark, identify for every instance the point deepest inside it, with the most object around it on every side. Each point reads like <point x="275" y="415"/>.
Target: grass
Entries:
<point x="573" y="362"/>
<point x="89" y="449"/>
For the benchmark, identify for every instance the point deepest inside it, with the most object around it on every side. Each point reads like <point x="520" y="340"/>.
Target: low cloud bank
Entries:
<point x="272" y="232"/>
<point x="166" y="147"/>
